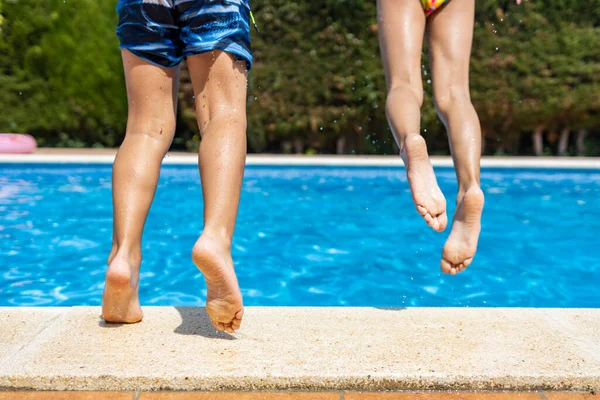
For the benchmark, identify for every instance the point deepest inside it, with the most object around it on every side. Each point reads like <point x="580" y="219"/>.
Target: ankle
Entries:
<point x="464" y="188"/>
<point x="131" y="254"/>
<point x="219" y="236"/>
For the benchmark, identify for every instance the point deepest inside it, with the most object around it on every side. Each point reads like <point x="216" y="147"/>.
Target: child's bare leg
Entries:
<point x="151" y="92"/>
<point x="401" y="27"/>
<point x="220" y="90"/>
<point x="450" y="33"/>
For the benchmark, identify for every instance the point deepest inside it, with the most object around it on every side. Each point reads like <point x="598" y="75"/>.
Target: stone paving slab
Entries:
<point x="295" y="396"/>
<point x="241" y="396"/>
<point x="18" y="327"/>
<point x="442" y="396"/>
<point x="67" y="395"/>
<point x="315" y="349"/>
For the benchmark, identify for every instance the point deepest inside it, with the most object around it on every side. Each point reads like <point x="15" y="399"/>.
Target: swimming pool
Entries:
<point x="310" y="236"/>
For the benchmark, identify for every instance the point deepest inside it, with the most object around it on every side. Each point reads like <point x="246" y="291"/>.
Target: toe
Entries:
<point x="468" y="262"/>
<point x="428" y="218"/>
<point x="219" y="325"/>
<point x="422" y="210"/>
<point x="240" y="314"/>
<point x="446" y="266"/>
<point x="443" y="219"/>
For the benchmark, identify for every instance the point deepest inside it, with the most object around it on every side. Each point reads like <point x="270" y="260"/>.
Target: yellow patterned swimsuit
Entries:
<point x="431" y="5"/>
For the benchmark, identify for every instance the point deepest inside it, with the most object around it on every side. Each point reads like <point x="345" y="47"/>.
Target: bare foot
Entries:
<point x="428" y="197"/>
<point x="224" y="300"/>
<point x="120" y="301"/>
<point x="461" y="245"/>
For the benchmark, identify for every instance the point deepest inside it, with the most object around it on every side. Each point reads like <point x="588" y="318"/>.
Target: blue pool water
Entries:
<point x="307" y="236"/>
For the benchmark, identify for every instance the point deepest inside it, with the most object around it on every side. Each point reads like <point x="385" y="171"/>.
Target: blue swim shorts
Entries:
<point x="163" y="32"/>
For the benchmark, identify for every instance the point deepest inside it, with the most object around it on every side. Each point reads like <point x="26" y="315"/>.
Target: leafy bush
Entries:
<point x="317" y="85"/>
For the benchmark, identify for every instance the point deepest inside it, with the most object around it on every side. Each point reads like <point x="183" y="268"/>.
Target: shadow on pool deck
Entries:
<point x="195" y="321"/>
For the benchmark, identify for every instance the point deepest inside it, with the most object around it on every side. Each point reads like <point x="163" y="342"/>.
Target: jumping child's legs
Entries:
<point x="220" y="91"/>
<point x="401" y="28"/>
<point x="151" y="93"/>
<point x="450" y="34"/>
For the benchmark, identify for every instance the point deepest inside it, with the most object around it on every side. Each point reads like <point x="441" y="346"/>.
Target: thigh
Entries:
<point x="401" y="29"/>
<point x="220" y="85"/>
<point x="450" y="36"/>
<point x="152" y="96"/>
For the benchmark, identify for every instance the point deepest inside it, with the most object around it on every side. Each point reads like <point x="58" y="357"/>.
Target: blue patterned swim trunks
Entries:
<point x="164" y="32"/>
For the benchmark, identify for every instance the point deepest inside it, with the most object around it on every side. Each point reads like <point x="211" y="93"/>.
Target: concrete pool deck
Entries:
<point x="303" y="349"/>
<point x="106" y="156"/>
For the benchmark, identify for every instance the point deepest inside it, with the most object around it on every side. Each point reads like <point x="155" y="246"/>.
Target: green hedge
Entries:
<point x="317" y="83"/>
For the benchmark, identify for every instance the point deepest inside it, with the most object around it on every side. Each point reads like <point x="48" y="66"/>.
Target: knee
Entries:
<point x="403" y="93"/>
<point x="449" y="97"/>
<point x="157" y="130"/>
<point x="229" y="118"/>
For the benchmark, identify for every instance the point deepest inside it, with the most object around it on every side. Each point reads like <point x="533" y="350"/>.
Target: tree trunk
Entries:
<point x="581" y="134"/>
<point x="563" y="143"/>
<point x="299" y="146"/>
<point x="538" y="141"/>
<point x="340" y="145"/>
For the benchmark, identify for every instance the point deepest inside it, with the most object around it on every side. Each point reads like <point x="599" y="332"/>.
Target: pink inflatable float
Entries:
<point x="16" y="143"/>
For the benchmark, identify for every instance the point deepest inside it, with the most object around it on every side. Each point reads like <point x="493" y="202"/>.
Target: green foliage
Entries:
<point x="317" y="83"/>
<point x="60" y="71"/>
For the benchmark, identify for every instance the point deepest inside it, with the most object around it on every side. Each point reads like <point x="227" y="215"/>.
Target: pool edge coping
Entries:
<point x="24" y="369"/>
<point x="313" y="160"/>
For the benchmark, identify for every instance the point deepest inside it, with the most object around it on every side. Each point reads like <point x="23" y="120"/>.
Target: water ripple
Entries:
<point x="306" y="236"/>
